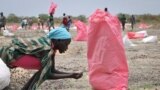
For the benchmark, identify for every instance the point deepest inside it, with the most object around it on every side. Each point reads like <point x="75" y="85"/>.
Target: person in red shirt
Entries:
<point x="65" y="21"/>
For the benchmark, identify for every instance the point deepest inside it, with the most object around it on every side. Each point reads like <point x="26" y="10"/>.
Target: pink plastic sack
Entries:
<point x="134" y="35"/>
<point x="34" y="27"/>
<point x="107" y="61"/>
<point x="14" y="27"/>
<point x="81" y="31"/>
<point x="27" y="62"/>
<point x="143" y="26"/>
<point x="52" y="7"/>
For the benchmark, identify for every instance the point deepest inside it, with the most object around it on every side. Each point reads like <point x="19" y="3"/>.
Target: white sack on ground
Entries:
<point x="4" y="75"/>
<point x="143" y="32"/>
<point x="150" y="39"/>
<point x="7" y="33"/>
<point x="46" y="31"/>
<point x="127" y="42"/>
<point x="73" y="28"/>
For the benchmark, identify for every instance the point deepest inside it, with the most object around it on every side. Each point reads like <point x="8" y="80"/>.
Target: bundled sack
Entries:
<point x="14" y="27"/>
<point x="144" y="32"/>
<point x="52" y="7"/>
<point x="7" y="33"/>
<point x="127" y="42"/>
<point x="108" y="69"/>
<point x="81" y="31"/>
<point x="150" y="39"/>
<point x="134" y="35"/>
<point x="144" y="26"/>
<point x="4" y="75"/>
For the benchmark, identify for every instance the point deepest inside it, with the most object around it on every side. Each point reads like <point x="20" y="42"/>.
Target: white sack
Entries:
<point x="7" y="33"/>
<point x="127" y="42"/>
<point x="150" y="39"/>
<point x="143" y="32"/>
<point x="4" y="75"/>
<point x="46" y="31"/>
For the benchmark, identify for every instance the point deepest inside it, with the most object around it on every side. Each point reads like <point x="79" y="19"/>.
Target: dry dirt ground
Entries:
<point x="143" y="62"/>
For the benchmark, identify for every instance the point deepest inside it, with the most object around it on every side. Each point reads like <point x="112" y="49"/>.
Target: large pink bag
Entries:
<point x="52" y="7"/>
<point x="107" y="61"/>
<point x="81" y="31"/>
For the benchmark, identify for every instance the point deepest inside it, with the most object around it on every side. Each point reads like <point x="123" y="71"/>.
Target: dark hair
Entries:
<point x="60" y="44"/>
<point x="51" y="14"/>
<point x="64" y="14"/>
<point x="1" y="13"/>
<point x="105" y="9"/>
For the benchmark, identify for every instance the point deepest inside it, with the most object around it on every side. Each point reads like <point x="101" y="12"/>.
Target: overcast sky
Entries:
<point x="79" y="7"/>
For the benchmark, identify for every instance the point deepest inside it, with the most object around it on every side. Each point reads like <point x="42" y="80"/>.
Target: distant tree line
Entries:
<point x="147" y="18"/>
<point x="13" y="18"/>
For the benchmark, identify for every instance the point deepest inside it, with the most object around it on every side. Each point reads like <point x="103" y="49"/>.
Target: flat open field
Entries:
<point x="143" y="62"/>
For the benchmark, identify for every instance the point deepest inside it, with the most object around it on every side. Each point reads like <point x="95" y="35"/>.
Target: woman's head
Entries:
<point x="60" y="44"/>
<point x="64" y="14"/>
<point x="60" y="39"/>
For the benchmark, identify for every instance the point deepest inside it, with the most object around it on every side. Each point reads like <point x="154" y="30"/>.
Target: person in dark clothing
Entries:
<point x="123" y="21"/>
<point x="51" y="21"/>
<point x="106" y="9"/>
<point x="40" y="23"/>
<point x="30" y="23"/>
<point x="133" y="21"/>
<point x="24" y="23"/>
<point x="2" y="21"/>
<point x="69" y="23"/>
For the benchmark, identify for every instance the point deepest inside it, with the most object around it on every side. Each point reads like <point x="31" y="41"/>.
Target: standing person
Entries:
<point x="40" y="23"/>
<point x="2" y="21"/>
<point x="123" y="21"/>
<point x="30" y="23"/>
<point x="24" y="23"/>
<point x="69" y="23"/>
<point x="64" y="21"/>
<point x="50" y="21"/>
<point x="107" y="62"/>
<point x="133" y="21"/>
<point x="106" y="9"/>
